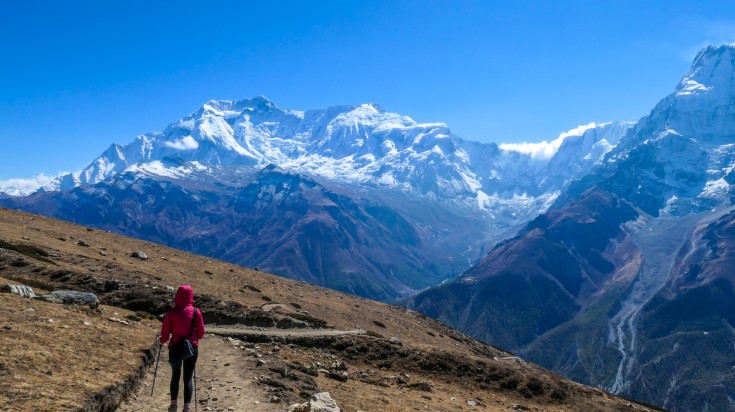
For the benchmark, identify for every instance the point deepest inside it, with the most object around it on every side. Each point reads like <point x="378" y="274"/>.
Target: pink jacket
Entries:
<point x="177" y="321"/>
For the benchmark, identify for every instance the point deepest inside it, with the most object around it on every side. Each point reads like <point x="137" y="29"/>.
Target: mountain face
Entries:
<point x="626" y="282"/>
<point x="287" y="191"/>
<point x="686" y="329"/>
<point x="279" y="221"/>
<point x="361" y="145"/>
<point x="540" y="279"/>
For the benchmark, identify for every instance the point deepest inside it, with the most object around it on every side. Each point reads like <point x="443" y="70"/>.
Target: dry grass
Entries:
<point x="58" y="366"/>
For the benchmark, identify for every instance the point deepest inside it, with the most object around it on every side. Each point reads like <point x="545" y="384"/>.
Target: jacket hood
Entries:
<point x="184" y="296"/>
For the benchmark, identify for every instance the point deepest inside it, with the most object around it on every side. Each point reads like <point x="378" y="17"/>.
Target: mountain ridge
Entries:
<point x="661" y="306"/>
<point x="358" y="144"/>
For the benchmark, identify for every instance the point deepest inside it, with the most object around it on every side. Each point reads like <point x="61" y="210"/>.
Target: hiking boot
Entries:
<point x="172" y="408"/>
<point x="186" y="409"/>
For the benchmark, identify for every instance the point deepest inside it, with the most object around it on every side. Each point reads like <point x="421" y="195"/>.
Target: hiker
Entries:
<point x="183" y="321"/>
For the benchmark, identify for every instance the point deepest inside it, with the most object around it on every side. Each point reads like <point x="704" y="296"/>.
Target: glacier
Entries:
<point x="360" y="145"/>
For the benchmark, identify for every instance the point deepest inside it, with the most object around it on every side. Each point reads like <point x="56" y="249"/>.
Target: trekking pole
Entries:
<point x="196" y="403"/>
<point x="158" y="358"/>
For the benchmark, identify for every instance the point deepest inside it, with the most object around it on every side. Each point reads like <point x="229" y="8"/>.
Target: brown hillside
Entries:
<point x="273" y="338"/>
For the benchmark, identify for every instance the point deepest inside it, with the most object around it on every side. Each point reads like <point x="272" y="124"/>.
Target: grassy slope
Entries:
<point x="451" y="364"/>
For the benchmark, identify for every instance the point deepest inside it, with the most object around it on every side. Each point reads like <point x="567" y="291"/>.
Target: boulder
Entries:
<point x="139" y="254"/>
<point x="72" y="297"/>
<point x="299" y="407"/>
<point x="319" y="402"/>
<point x="21" y="290"/>
<point x="341" y="376"/>
<point x="322" y="402"/>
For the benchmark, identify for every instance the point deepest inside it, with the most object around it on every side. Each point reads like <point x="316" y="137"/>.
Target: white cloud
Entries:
<point x="186" y="143"/>
<point x="546" y="150"/>
<point x="24" y="186"/>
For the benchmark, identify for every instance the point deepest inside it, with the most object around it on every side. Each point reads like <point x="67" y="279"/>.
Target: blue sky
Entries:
<point x="78" y="76"/>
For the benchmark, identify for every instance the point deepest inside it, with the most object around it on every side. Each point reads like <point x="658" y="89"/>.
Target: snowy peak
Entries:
<point x="356" y="144"/>
<point x="712" y="73"/>
<point x="677" y="159"/>
<point x="579" y="153"/>
<point x="228" y="108"/>
<point x="701" y="105"/>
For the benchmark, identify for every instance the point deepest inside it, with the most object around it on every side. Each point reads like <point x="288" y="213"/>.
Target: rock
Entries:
<point x="339" y="366"/>
<point x="234" y="342"/>
<point x="394" y="340"/>
<point x="82" y="243"/>
<point x="471" y="403"/>
<point x="341" y="376"/>
<point x="139" y="254"/>
<point x="275" y="399"/>
<point x="114" y="319"/>
<point x="518" y="407"/>
<point x="299" y="407"/>
<point x="21" y="290"/>
<point x="103" y="253"/>
<point x="322" y="402"/>
<point x="424" y="386"/>
<point x="72" y="297"/>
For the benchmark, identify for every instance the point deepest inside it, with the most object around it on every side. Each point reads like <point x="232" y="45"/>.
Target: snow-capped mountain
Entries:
<point x="448" y="196"/>
<point x="680" y="158"/>
<point x="621" y="284"/>
<point x="363" y="145"/>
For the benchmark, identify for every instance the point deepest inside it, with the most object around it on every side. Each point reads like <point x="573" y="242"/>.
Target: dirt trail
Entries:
<point x="273" y="332"/>
<point x="226" y="381"/>
<point x="227" y="376"/>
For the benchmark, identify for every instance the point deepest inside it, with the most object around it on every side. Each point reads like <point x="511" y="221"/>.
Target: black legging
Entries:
<point x="189" y="366"/>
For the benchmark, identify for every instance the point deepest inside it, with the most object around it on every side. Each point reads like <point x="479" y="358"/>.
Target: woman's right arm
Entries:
<point x="200" y="325"/>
